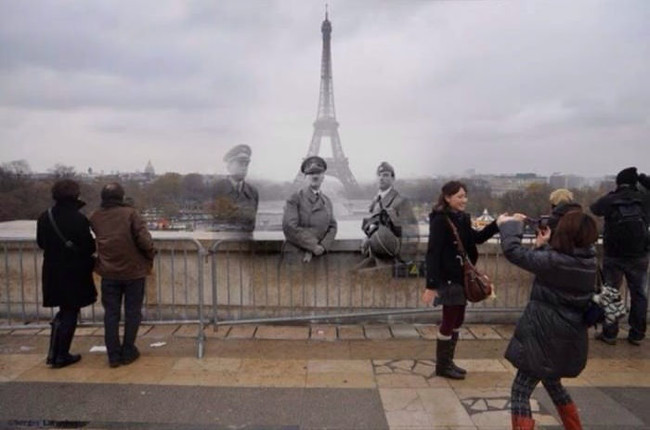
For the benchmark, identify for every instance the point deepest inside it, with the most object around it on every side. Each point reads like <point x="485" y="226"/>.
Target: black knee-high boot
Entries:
<point x="444" y="360"/>
<point x="63" y="339"/>
<point x="51" y="352"/>
<point x="454" y="341"/>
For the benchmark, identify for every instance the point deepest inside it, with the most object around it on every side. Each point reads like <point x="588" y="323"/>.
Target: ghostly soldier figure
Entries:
<point x="308" y="222"/>
<point x="236" y="201"/>
<point x="391" y="229"/>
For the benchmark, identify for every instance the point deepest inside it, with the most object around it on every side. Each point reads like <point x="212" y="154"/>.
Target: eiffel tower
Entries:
<point x="326" y="124"/>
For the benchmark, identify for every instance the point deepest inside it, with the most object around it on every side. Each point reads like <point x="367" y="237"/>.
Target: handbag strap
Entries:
<point x="459" y="243"/>
<point x="68" y="243"/>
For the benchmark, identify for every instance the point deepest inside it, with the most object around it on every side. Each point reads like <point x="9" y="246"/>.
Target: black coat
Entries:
<point x="550" y="340"/>
<point x="605" y="206"/>
<point x="67" y="273"/>
<point x="444" y="268"/>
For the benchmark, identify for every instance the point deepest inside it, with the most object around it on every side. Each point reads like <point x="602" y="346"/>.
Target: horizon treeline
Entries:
<point x="24" y="196"/>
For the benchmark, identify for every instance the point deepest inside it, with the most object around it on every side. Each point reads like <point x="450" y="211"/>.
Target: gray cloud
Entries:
<point x="433" y="87"/>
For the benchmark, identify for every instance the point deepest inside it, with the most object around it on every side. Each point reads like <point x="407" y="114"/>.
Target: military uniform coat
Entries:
<point x="308" y="221"/>
<point x="67" y="273"/>
<point x="400" y="211"/>
<point x="235" y="210"/>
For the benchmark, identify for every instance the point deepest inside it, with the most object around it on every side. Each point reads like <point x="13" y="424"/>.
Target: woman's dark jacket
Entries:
<point x="444" y="268"/>
<point x="550" y="340"/>
<point x="67" y="273"/>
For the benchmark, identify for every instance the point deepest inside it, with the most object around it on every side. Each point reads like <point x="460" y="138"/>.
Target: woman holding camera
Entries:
<point x="445" y="270"/>
<point x="550" y="340"/>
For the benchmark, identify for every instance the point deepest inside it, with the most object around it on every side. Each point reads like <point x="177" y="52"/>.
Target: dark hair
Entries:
<point x="575" y="229"/>
<point x="112" y="192"/>
<point x="448" y="190"/>
<point x="65" y="189"/>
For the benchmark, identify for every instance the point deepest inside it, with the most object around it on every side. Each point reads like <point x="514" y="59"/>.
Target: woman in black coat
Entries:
<point x="67" y="267"/>
<point x="550" y="341"/>
<point x="445" y="271"/>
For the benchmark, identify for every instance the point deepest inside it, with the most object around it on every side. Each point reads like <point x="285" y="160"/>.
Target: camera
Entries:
<point x="541" y="223"/>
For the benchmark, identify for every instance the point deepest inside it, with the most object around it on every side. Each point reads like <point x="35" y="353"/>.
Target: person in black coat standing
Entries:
<point x="64" y="235"/>
<point x="445" y="270"/>
<point x="550" y="341"/>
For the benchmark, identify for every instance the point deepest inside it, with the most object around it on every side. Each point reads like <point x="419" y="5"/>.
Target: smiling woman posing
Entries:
<point x="445" y="271"/>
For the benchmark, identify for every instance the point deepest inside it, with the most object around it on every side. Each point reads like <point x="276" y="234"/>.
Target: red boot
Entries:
<point x="569" y="416"/>
<point x="522" y="423"/>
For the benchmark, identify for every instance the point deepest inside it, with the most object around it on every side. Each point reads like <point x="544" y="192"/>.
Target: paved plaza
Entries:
<point x="334" y="377"/>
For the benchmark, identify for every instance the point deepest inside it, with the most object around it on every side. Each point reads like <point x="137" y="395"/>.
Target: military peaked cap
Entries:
<point x="313" y="164"/>
<point x="385" y="167"/>
<point x="239" y="151"/>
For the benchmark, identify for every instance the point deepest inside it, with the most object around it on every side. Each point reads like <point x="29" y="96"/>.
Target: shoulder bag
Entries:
<point x="478" y="286"/>
<point x="68" y="243"/>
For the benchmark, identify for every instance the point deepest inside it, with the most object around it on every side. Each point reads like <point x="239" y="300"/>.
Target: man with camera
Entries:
<point x="626" y="242"/>
<point x="391" y="228"/>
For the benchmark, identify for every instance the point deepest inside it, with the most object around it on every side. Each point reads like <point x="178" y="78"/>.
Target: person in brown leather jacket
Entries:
<point x="125" y="257"/>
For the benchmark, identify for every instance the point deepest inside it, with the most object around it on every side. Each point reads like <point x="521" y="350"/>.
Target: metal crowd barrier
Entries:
<point x="174" y="292"/>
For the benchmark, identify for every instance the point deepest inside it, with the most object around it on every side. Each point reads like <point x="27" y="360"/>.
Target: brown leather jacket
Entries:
<point x="124" y="245"/>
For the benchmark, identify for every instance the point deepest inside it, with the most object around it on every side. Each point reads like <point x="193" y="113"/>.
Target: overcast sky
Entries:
<point x="434" y="87"/>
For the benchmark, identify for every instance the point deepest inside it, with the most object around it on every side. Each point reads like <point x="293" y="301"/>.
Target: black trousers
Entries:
<point x="113" y="292"/>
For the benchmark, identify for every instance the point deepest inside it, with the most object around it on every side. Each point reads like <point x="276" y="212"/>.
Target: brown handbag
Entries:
<point x="478" y="286"/>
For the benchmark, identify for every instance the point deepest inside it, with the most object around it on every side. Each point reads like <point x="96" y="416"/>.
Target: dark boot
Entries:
<point x="569" y="416"/>
<point x="63" y="340"/>
<point x="51" y="352"/>
<point x="454" y="341"/>
<point x="522" y="423"/>
<point x="444" y="358"/>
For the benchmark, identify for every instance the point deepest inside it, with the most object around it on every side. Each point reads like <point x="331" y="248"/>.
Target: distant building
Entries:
<point x="557" y="180"/>
<point x="149" y="170"/>
<point x="501" y="184"/>
<point x="483" y="220"/>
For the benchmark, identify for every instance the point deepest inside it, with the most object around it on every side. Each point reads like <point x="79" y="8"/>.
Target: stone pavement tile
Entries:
<point x="481" y="365"/>
<point x="269" y="380"/>
<point x="481" y="331"/>
<point x="255" y="366"/>
<point x="404" y="331"/>
<point x="217" y="332"/>
<point x="400" y="399"/>
<point x="187" y="330"/>
<point x="340" y="380"/>
<point x="351" y="332"/>
<point x="464" y="333"/>
<point x="210" y="364"/>
<point x="200" y="378"/>
<point x="489" y="408"/>
<point x="493" y="380"/>
<point x="27" y="331"/>
<point x="323" y="332"/>
<point x="282" y="332"/>
<point x="87" y="331"/>
<point x="444" y="407"/>
<point x="401" y="381"/>
<point x="4" y="332"/>
<point x="506" y="331"/>
<point x="377" y="332"/>
<point x="339" y="366"/>
<point x="633" y="399"/>
<point x="13" y="365"/>
<point x="129" y="375"/>
<point x="407" y="349"/>
<point x="509" y="367"/>
<point x="242" y="332"/>
<point x="618" y="379"/>
<point x="159" y="331"/>
<point x="427" y="331"/>
<point x="74" y="373"/>
<point x="598" y="365"/>
<point x="596" y="408"/>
